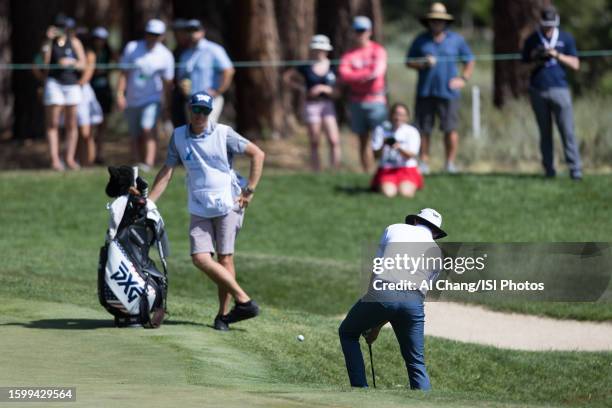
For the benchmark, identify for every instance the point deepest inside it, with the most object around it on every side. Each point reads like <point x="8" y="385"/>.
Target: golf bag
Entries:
<point x="130" y="286"/>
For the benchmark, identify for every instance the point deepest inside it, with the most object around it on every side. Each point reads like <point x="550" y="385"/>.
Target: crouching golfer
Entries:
<point x="216" y="200"/>
<point x="402" y="308"/>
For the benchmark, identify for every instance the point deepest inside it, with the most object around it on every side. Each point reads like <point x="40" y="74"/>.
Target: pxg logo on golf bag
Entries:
<point x="125" y="279"/>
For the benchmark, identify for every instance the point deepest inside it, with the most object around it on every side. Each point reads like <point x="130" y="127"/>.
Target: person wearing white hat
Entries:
<point x="403" y="308"/>
<point x="148" y="74"/>
<point x="434" y="54"/>
<point x="319" y="79"/>
<point x="551" y="51"/>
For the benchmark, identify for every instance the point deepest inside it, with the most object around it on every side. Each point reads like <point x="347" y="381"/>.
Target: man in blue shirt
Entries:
<point x="205" y="67"/>
<point x="550" y="50"/>
<point x="216" y="200"/>
<point x="434" y="54"/>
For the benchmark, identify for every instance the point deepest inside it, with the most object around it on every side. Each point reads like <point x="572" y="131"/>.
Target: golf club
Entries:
<point x="372" y="366"/>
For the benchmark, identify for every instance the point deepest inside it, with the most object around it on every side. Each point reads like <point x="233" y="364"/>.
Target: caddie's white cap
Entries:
<point x="429" y="217"/>
<point x="155" y="26"/>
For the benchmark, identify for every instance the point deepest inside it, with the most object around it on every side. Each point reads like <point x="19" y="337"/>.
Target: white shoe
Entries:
<point x="451" y="168"/>
<point x="144" y="167"/>
<point x="424" y="168"/>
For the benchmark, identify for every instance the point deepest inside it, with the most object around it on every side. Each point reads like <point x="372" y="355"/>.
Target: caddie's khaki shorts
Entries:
<point x="215" y="234"/>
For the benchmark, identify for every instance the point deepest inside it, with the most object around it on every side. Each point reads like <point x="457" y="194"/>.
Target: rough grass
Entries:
<point x="298" y="255"/>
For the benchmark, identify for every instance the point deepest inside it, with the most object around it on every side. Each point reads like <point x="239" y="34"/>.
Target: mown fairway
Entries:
<point x="298" y="255"/>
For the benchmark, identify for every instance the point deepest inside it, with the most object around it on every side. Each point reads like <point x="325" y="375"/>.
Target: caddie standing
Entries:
<point x="217" y="200"/>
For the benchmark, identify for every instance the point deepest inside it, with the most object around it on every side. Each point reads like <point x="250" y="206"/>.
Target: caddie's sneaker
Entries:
<point x="424" y="167"/>
<point x="242" y="311"/>
<point x="221" y="323"/>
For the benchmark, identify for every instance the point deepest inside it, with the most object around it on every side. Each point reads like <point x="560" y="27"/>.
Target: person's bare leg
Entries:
<point x="424" y="153"/>
<point x="333" y="137"/>
<point x="227" y="261"/>
<point x="365" y="152"/>
<point x="220" y="275"/>
<point x="407" y="189"/>
<point x="388" y="189"/>
<point x="98" y="134"/>
<point x="451" y="143"/>
<point x="72" y="135"/>
<point x="150" y="146"/>
<point x="86" y="146"/>
<point x="314" y="137"/>
<point x="52" y="114"/>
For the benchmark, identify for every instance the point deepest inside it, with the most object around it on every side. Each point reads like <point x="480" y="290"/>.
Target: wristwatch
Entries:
<point x="247" y="191"/>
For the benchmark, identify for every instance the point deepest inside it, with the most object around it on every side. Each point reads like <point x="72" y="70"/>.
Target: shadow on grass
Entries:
<point x="88" y="324"/>
<point x="354" y="190"/>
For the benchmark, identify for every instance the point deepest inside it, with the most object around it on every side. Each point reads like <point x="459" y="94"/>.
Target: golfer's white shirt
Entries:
<point x="413" y="240"/>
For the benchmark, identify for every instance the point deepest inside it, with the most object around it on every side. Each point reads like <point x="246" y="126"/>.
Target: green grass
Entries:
<point x="299" y="255"/>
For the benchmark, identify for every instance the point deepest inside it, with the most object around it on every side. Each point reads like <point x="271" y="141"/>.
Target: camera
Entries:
<point x="390" y="141"/>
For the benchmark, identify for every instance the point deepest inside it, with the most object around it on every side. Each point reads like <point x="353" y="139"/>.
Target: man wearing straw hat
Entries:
<point x="435" y="54"/>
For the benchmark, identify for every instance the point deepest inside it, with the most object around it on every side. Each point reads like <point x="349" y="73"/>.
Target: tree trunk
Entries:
<point x="335" y="18"/>
<point x="296" y="24"/>
<point x="513" y="22"/>
<point x="136" y="13"/>
<point x="6" y="96"/>
<point x="258" y="98"/>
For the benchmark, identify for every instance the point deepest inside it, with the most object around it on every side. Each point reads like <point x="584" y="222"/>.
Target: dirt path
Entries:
<point x="475" y="324"/>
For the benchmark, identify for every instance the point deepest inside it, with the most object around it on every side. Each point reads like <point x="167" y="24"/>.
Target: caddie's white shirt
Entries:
<point x="406" y="135"/>
<point x="408" y="234"/>
<point x="144" y="81"/>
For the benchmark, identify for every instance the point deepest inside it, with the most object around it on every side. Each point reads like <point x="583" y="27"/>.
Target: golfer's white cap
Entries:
<point x="320" y="42"/>
<point x="155" y="26"/>
<point x="430" y="218"/>
<point x="100" y="32"/>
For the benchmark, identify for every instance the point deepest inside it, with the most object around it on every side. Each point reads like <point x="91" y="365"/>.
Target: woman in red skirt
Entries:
<point x="398" y="143"/>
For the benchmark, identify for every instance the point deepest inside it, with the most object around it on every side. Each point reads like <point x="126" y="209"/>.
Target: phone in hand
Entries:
<point x="390" y="141"/>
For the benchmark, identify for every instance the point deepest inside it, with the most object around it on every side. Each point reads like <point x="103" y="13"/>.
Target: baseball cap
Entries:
<point x="320" y="42"/>
<point x="429" y="217"/>
<point x="549" y="17"/>
<point x="179" y="24"/>
<point x="201" y="99"/>
<point x="362" y="23"/>
<point x="63" y="21"/>
<point x="100" y="32"/>
<point x="193" y="25"/>
<point x="155" y="26"/>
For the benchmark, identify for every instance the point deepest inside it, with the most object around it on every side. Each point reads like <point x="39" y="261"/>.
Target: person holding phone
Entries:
<point x="398" y="145"/>
<point x="62" y="93"/>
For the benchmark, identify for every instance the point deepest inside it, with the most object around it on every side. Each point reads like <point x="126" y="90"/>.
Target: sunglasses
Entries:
<point x="360" y="31"/>
<point x="196" y="110"/>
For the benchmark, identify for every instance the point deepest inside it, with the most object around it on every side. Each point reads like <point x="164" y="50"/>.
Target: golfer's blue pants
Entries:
<point x="408" y="321"/>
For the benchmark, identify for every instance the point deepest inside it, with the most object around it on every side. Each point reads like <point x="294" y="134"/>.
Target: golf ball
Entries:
<point x="300" y="337"/>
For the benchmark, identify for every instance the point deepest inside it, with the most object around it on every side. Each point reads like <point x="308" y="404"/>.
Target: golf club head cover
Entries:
<point x="121" y="179"/>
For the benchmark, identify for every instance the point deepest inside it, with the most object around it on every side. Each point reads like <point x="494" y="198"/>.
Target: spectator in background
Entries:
<point x="319" y="112"/>
<point x="438" y="50"/>
<point x="62" y="92"/>
<point x="89" y="111"/>
<point x="100" y="83"/>
<point x="552" y="50"/>
<point x="207" y="68"/>
<point x="363" y="69"/>
<point x="399" y="144"/>
<point x="182" y="37"/>
<point x="140" y="88"/>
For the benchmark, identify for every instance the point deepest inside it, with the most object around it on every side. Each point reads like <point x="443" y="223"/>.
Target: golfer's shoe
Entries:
<point x="242" y="311"/>
<point x="221" y="323"/>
